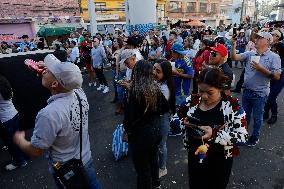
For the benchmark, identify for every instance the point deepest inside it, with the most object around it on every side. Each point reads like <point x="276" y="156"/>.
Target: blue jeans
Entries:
<point x="91" y="174"/>
<point x="163" y="151"/>
<point x="121" y="90"/>
<point x="275" y="89"/>
<point x="180" y="100"/>
<point x="252" y="102"/>
<point x="7" y="132"/>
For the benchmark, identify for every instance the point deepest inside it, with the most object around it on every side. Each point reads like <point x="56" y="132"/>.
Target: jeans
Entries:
<point x="240" y="83"/>
<point x="144" y="147"/>
<point x="163" y="151"/>
<point x="252" y="102"/>
<point x="7" y="132"/>
<point x="180" y="100"/>
<point x="121" y="90"/>
<point x="275" y="89"/>
<point x="91" y="174"/>
<point x="114" y="83"/>
<point x="101" y="77"/>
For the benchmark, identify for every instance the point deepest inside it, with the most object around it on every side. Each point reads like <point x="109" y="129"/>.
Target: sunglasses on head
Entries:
<point x="213" y="53"/>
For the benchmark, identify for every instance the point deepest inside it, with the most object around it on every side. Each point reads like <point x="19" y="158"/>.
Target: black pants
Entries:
<point x="144" y="147"/>
<point x="241" y="81"/>
<point x="194" y="84"/>
<point x="101" y="77"/>
<point x="213" y="173"/>
<point x="7" y="130"/>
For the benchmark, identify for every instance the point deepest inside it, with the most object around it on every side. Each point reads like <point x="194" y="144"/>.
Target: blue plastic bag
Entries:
<point x="119" y="148"/>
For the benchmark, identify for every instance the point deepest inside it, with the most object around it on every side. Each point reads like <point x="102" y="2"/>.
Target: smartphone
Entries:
<point x="193" y="121"/>
<point x="33" y="65"/>
<point x="234" y="31"/>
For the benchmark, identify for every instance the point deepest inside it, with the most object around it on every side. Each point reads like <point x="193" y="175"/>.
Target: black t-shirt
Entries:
<point x="213" y="117"/>
<point x="229" y="73"/>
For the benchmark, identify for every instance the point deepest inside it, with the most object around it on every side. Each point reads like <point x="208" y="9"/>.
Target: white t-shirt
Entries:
<point x="7" y="110"/>
<point x="129" y="71"/>
<point x="73" y="54"/>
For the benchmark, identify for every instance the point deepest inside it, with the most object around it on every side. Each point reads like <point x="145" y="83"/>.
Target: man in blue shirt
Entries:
<point x="261" y="66"/>
<point x="183" y="72"/>
<point x="26" y="45"/>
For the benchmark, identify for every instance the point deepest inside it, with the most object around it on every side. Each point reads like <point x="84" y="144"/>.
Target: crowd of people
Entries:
<point x="151" y="82"/>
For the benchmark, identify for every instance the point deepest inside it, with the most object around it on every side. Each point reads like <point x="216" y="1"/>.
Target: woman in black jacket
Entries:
<point x="143" y="112"/>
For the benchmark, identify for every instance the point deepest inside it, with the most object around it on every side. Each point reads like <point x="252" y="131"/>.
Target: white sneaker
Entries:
<point x="11" y="166"/>
<point x="95" y="84"/>
<point x="163" y="172"/>
<point x="101" y="87"/>
<point x="106" y="90"/>
<point x="90" y="84"/>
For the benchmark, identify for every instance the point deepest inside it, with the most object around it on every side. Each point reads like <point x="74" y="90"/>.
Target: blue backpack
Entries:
<point x="119" y="148"/>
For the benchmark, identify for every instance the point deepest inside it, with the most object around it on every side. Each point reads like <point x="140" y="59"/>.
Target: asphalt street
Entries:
<point x="260" y="167"/>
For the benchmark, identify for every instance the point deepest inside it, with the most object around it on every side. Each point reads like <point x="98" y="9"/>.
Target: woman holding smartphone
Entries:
<point x="223" y="123"/>
<point x="162" y="71"/>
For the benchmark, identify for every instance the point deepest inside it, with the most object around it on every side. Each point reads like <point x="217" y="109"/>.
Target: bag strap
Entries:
<point x="81" y="123"/>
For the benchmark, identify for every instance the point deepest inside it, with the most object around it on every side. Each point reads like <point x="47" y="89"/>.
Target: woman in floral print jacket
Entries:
<point x="223" y="121"/>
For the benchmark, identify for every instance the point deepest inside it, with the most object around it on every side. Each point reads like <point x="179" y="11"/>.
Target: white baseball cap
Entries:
<point x="266" y="35"/>
<point x="67" y="74"/>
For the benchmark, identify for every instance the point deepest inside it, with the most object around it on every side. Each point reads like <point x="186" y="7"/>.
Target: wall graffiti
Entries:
<point x="142" y="28"/>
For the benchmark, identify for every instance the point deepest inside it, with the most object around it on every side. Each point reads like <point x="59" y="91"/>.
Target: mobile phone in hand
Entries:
<point x="33" y="65"/>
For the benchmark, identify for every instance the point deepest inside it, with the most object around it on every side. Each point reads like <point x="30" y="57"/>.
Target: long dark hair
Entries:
<point x="213" y="77"/>
<point x="168" y="78"/>
<point x="5" y="88"/>
<point x="143" y="86"/>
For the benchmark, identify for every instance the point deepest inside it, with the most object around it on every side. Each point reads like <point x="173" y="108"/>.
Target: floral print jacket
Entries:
<point x="233" y="132"/>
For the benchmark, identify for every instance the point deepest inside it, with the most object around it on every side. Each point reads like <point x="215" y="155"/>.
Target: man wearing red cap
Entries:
<point x="218" y="58"/>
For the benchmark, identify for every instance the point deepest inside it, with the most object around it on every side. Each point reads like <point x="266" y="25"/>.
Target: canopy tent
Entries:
<point x="195" y="23"/>
<point x="47" y="31"/>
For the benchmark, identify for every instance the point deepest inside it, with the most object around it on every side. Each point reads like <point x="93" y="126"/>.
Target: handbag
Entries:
<point x="72" y="174"/>
<point x="119" y="147"/>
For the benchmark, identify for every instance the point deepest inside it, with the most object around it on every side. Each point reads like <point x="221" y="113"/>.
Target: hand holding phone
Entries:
<point x="34" y="65"/>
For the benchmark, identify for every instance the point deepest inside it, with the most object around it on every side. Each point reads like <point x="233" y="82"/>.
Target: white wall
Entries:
<point x="141" y="14"/>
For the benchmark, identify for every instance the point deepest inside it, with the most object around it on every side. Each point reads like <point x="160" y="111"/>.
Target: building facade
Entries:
<point x="114" y="10"/>
<point x="208" y="11"/>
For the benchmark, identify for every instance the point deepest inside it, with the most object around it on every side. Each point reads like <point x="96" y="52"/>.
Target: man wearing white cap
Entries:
<point x="262" y="65"/>
<point x="57" y="126"/>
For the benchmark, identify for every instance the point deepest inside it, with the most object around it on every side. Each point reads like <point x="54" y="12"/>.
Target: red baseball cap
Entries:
<point x="221" y="49"/>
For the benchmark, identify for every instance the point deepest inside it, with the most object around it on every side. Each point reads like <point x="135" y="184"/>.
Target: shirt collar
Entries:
<point x="263" y="54"/>
<point x="57" y="96"/>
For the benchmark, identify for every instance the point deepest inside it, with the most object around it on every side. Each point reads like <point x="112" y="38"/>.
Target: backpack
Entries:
<point x="119" y="147"/>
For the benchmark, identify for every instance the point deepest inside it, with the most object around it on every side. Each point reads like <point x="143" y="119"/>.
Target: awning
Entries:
<point x="46" y="31"/>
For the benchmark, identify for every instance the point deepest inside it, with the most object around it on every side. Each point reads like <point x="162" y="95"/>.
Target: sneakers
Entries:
<point x="101" y="87"/>
<point x="272" y="120"/>
<point x="92" y="83"/>
<point x="163" y="172"/>
<point x="252" y="141"/>
<point x="11" y="166"/>
<point x="106" y="89"/>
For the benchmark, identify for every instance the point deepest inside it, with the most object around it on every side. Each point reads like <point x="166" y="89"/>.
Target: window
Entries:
<point x="214" y="7"/>
<point x="161" y="11"/>
<point x="100" y="7"/>
<point x="223" y="11"/>
<point x="175" y="6"/>
<point x="203" y="7"/>
<point x="191" y="7"/>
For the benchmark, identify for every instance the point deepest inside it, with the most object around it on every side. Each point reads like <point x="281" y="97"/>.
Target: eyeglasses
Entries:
<point x="213" y="53"/>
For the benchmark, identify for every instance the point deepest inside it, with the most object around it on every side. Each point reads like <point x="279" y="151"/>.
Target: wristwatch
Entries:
<point x="271" y="75"/>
